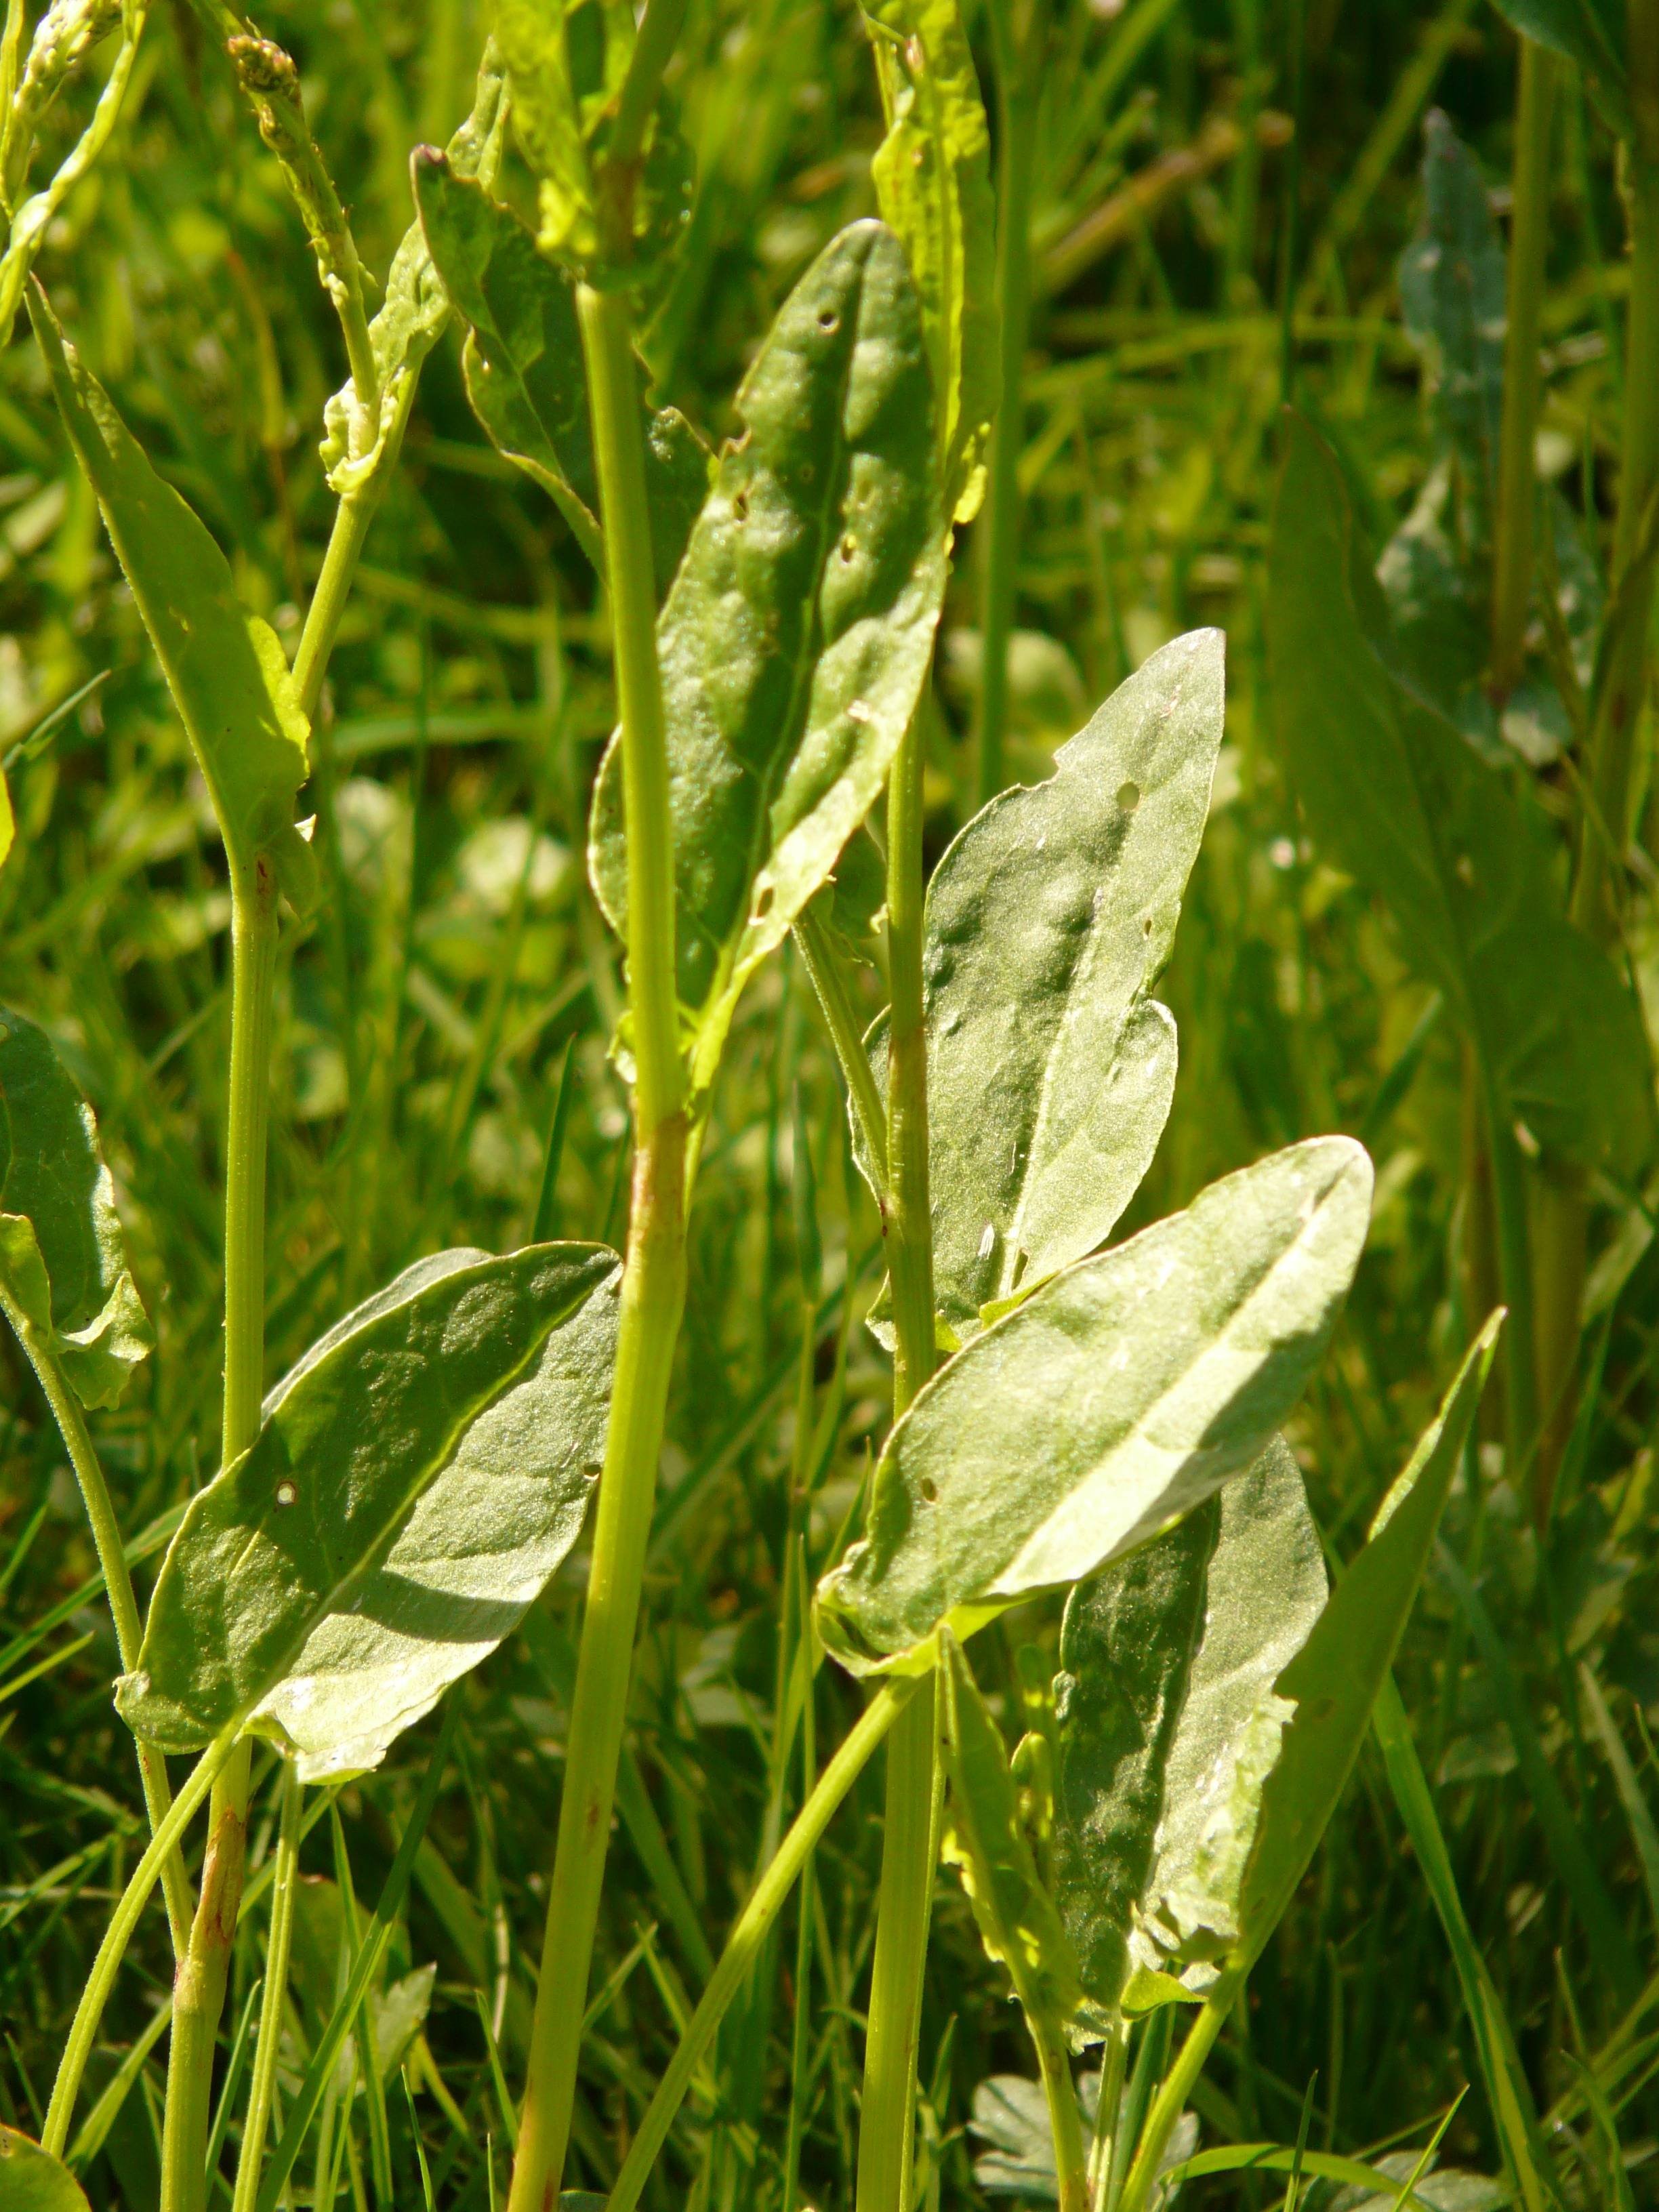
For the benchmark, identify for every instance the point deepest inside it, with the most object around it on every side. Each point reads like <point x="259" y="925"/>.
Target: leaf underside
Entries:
<point x="1120" y="1396"/>
<point x="799" y="631"/>
<point x="413" y="1478"/>
<point x="1169" y="1724"/>
<point x="32" y="2181"/>
<point x="1050" y="1069"/>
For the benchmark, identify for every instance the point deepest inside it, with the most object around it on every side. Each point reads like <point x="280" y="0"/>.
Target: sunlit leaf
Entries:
<point x="1396" y="797"/>
<point x="416" y="1480"/>
<point x="32" y="2181"/>
<point x="524" y="371"/>
<point x="62" y="1255"/>
<point x="1115" y="1400"/>
<point x="1334" y="1680"/>
<point x="1050" y="1069"/>
<point x="933" y="179"/>
<point x="223" y="666"/>
<point x="1017" y="1923"/>
<point x="1169" y="1725"/>
<point x="798" y="635"/>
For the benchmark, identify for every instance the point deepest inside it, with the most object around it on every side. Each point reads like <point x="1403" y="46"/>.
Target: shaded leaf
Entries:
<point x="1398" y="799"/>
<point x="62" y="1255"/>
<point x="1588" y="32"/>
<point x="984" y="1841"/>
<point x="1452" y="291"/>
<point x="933" y="179"/>
<point x="1169" y="1725"/>
<point x="798" y="635"/>
<point x="1011" y="2114"/>
<point x="1119" y="1397"/>
<point x="523" y="364"/>
<point x="1335" y="1678"/>
<point x="1049" y="1069"/>
<point x="333" y="1581"/>
<point x="32" y="2181"/>
<point x="1451" y="2189"/>
<point x="223" y="666"/>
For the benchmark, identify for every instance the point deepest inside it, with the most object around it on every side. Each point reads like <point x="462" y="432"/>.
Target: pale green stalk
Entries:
<point x="1615" y="768"/>
<point x="95" y="1994"/>
<point x="753" y="1923"/>
<point x="653" y="1276"/>
<point x="828" y="977"/>
<point x="1518" y="484"/>
<point x="1018" y="47"/>
<point x="911" y="1839"/>
<point x="1176" y="2087"/>
<point x="1065" y="2121"/>
<point x="118" y="1587"/>
<point x="263" y="2087"/>
<point x="1113" y="2059"/>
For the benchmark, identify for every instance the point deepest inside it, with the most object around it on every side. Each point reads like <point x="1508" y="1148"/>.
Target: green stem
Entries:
<point x="1065" y="2121"/>
<point x="891" y="1702"/>
<point x="1113" y="2062"/>
<point x="1517" y="490"/>
<point x="654" y="1278"/>
<point x="1017" y="48"/>
<point x="199" y="1983"/>
<point x="262" y="2089"/>
<point x="828" y="977"/>
<point x="118" y="1587"/>
<point x="1508" y="1190"/>
<point x="328" y="602"/>
<point x="95" y="1994"/>
<point x="909" y="1841"/>
<point x="1171" y="2099"/>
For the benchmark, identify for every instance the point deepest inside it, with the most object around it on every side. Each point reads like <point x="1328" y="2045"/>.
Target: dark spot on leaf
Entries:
<point x="849" y="546"/>
<point x="591" y="1471"/>
<point x="827" y="319"/>
<point x="929" y="1490"/>
<point x="763" y="901"/>
<point x="740" y="506"/>
<point x="1146" y="927"/>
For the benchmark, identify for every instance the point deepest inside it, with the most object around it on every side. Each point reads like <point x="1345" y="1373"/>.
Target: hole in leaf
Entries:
<point x="1128" y="796"/>
<point x="929" y="1490"/>
<point x="740" y="506"/>
<point x="287" y="1492"/>
<point x="827" y="319"/>
<point x="849" y="546"/>
<point x="1146" y="927"/>
<point x="763" y="901"/>
<point x="591" y="1471"/>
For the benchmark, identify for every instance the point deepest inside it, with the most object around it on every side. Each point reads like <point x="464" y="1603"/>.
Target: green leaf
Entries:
<point x="223" y="666"/>
<point x="1049" y="1068"/>
<point x="798" y="635"/>
<point x="1396" y="797"/>
<point x="1169" y="1725"/>
<point x="1333" y="1680"/>
<point x="63" y="1259"/>
<point x="933" y="179"/>
<point x="402" y="1505"/>
<point x="1588" y="32"/>
<point x="32" y="2181"/>
<point x="523" y="364"/>
<point x="1452" y="291"/>
<point x="983" y="1840"/>
<point x="1109" y="1404"/>
<point x="1011" y="2114"/>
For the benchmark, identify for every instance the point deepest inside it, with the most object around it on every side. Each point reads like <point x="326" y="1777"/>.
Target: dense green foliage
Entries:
<point x="1406" y="919"/>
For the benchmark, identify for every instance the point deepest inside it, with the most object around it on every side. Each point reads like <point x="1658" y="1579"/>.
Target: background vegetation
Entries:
<point x="1223" y="191"/>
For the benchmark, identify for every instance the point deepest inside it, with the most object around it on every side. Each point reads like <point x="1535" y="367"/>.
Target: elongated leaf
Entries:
<point x="1452" y="291"/>
<point x="62" y="1256"/>
<point x="1334" y="1679"/>
<point x="932" y="179"/>
<point x="223" y="666"/>
<point x="523" y="364"/>
<point x="984" y="1841"/>
<point x="1168" y="1726"/>
<point x="32" y="2181"/>
<point x="332" y="1580"/>
<point x="798" y="632"/>
<point x="1049" y="1069"/>
<point x="1111" y="1403"/>
<point x="1397" y="798"/>
<point x="1588" y="32"/>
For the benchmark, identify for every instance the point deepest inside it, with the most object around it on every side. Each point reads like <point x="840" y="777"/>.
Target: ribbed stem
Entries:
<point x="653" y="1280"/>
